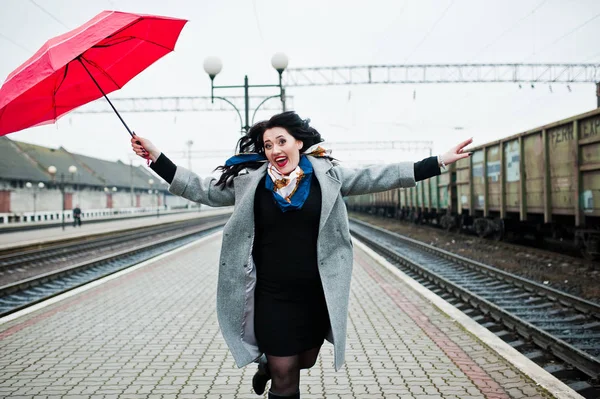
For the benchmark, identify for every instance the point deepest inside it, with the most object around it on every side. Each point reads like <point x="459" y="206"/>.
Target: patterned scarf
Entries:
<point x="289" y="192"/>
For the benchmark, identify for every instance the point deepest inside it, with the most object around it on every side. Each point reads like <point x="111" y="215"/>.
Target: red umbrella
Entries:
<point x="82" y="65"/>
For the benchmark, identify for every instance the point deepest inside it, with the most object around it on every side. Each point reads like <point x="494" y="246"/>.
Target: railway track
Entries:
<point x="558" y="331"/>
<point x="553" y="249"/>
<point x="573" y="275"/>
<point x="32" y="274"/>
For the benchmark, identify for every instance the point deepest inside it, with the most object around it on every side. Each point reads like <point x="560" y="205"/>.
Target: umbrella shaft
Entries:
<point x="102" y="91"/>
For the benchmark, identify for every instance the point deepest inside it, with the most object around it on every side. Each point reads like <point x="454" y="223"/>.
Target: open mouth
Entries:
<point x="281" y="162"/>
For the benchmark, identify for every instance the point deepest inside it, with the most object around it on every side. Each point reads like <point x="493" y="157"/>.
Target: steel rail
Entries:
<point x="14" y="257"/>
<point x="37" y="281"/>
<point x="583" y="361"/>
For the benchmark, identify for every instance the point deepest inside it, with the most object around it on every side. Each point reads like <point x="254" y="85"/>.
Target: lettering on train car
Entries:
<point x="513" y="170"/>
<point x="493" y="171"/>
<point x="563" y="183"/>
<point x="562" y="134"/>
<point x="589" y="128"/>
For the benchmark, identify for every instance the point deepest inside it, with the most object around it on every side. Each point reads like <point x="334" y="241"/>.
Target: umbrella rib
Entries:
<point x="131" y="38"/>
<point x="56" y="91"/>
<point x="63" y="80"/>
<point x="158" y="44"/>
<point x="101" y="70"/>
<point x="123" y="28"/>
<point x="133" y="23"/>
<point x="122" y="40"/>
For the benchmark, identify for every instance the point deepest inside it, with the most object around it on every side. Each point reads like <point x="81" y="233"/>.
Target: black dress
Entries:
<point x="290" y="310"/>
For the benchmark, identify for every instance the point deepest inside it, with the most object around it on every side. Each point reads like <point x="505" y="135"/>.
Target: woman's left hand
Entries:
<point x="456" y="152"/>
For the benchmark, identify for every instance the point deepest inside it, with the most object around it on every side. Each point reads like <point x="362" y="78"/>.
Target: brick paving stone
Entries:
<point x="153" y="333"/>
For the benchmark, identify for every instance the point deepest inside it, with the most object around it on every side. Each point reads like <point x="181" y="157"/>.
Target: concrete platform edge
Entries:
<point x="101" y="281"/>
<point x="540" y="376"/>
<point x="51" y="240"/>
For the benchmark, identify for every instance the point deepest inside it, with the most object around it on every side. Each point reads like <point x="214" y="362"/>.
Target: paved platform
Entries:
<point x="45" y="235"/>
<point x="152" y="332"/>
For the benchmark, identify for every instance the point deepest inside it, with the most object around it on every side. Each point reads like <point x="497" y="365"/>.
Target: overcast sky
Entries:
<point x="246" y="33"/>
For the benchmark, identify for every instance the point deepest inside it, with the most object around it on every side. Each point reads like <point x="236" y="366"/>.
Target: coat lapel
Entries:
<point x="245" y="185"/>
<point x="330" y="187"/>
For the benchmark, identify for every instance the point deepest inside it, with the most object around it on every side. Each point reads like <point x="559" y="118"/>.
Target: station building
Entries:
<point x="37" y="183"/>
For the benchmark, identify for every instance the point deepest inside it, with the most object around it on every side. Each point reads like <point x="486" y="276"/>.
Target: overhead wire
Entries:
<point x="257" y="21"/>
<point x="48" y="13"/>
<point x="397" y="16"/>
<point x="560" y="38"/>
<point x="429" y="32"/>
<point x="536" y="103"/>
<point x="569" y="33"/>
<point x="510" y="28"/>
<point x="8" y="39"/>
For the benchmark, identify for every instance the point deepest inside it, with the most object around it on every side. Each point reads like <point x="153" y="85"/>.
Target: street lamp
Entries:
<point x="213" y="65"/>
<point x="40" y="185"/>
<point x="61" y="185"/>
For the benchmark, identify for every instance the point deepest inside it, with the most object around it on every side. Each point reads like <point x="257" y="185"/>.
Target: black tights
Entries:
<point x="285" y="370"/>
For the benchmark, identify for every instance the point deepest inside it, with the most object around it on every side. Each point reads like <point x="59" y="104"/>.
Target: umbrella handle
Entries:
<point x="102" y="91"/>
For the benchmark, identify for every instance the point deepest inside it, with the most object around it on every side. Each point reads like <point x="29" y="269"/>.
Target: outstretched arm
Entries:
<point x="385" y="177"/>
<point x="183" y="182"/>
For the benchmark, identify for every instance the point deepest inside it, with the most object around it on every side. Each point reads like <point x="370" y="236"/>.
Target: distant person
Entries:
<point x="286" y="258"/>
<point x="77" y="216"/>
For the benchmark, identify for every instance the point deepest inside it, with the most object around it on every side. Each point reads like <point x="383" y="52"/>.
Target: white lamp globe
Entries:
<point x="73" y="169"/>
<point x="52" y="169"/>
<point x="279" y="61"/>
<point x="212" y="66"/>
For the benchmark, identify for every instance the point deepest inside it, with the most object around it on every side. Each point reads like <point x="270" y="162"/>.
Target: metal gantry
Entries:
<point x="175" y="104"/>
<point x="443" y="73"/>
<point x="370" y="74"/>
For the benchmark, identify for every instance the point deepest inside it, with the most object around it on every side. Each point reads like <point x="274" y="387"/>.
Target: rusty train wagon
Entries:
<point x="545" y="182"/>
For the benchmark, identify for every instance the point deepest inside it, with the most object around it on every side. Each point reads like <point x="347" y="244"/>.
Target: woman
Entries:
<point x="286" y="258"/>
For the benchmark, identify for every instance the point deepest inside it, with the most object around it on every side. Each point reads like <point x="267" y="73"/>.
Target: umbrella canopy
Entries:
<point x="82" y="65"/>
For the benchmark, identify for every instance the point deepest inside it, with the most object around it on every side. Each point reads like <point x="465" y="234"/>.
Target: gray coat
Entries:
<point x="237" y="273"/>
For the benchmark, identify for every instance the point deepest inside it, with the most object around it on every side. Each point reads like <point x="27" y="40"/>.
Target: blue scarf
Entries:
<point x="297" y="199"/>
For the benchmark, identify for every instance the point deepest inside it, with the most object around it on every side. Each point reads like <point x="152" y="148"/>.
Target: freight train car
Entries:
<point x="545" y="182"/>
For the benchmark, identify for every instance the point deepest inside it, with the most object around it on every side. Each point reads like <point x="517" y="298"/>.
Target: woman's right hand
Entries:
<point x="144" y="148"/>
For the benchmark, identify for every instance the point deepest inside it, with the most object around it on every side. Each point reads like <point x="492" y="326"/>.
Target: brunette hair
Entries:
<point x="253" y="141"/>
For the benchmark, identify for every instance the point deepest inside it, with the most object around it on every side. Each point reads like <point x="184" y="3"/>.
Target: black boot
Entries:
<point x="289" y="396"/>
<point x="262" y="376"/>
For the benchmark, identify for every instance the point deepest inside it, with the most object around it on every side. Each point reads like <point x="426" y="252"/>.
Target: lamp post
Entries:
<point x="213" y="65"/>
<point x="40" y="185"/>
<point x="61" y="185"/>
<point x="152" y="190"/>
